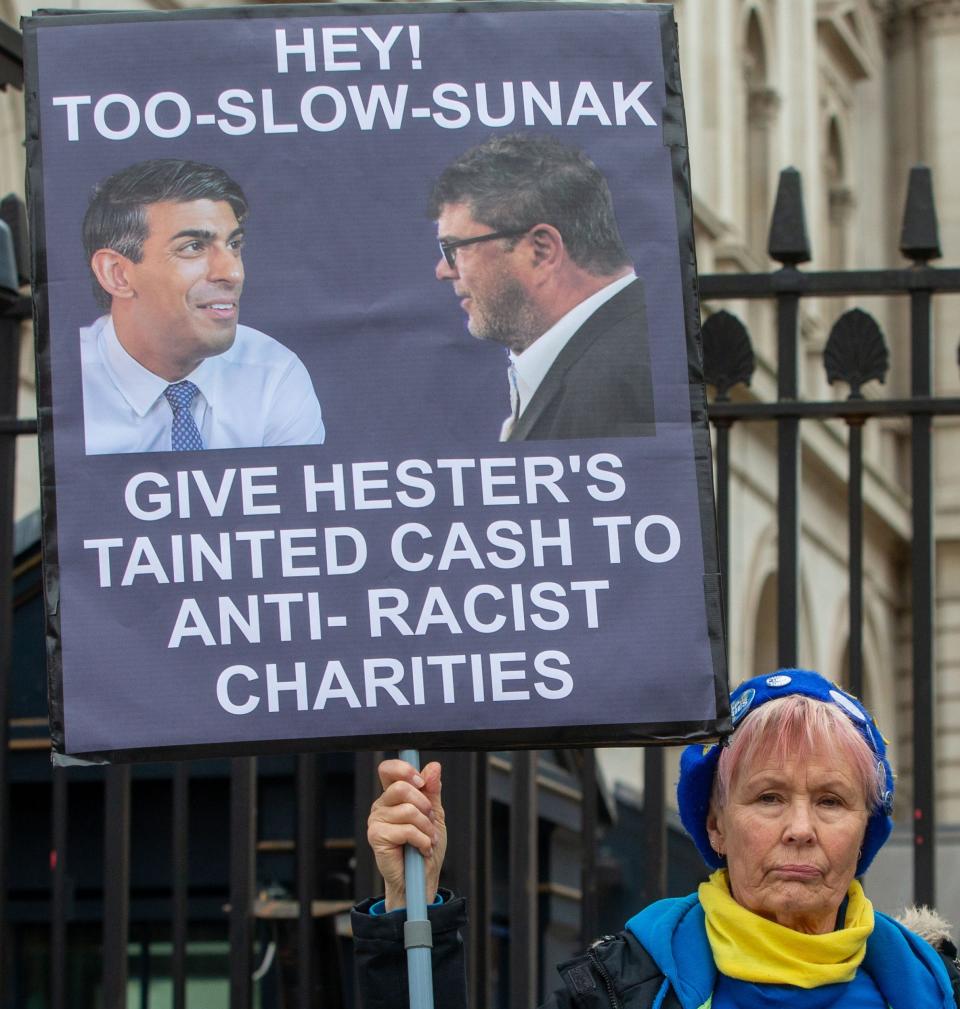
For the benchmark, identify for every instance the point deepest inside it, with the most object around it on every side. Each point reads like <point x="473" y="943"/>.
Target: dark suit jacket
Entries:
<point x="600" y="385"/>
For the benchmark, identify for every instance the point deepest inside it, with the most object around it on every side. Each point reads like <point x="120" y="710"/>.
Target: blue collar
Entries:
<point x="907" y="971"/>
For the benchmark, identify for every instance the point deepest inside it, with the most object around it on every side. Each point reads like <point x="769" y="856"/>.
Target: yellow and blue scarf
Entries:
<point x="750" y="948"/>
<point x="867" y="964"/>
<point x="761" y="963"/>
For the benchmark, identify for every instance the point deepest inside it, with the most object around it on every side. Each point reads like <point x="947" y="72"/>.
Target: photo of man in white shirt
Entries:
<point x="168" y="368"/>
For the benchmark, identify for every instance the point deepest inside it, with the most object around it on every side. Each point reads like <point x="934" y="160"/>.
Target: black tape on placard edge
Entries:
<point x="41" y="328"/>
<point x="675" y="135"/>
<point x="556" y="737"/>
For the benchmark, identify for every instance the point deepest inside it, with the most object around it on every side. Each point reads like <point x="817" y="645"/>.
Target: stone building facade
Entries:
<point x="851" y="93"/>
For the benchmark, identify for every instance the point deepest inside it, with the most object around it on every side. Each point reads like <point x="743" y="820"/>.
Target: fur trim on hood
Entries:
<point x="929" y="925"/>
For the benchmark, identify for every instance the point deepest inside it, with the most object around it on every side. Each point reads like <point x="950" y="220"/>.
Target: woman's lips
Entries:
<point x="798" y="871"/>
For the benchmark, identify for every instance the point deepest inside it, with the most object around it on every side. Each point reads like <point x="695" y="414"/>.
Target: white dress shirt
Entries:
<point x="256" y="393"/>
<point x="531" y="366"/>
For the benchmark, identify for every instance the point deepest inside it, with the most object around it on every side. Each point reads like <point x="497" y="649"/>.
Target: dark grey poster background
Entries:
<point x="340" y="261"/>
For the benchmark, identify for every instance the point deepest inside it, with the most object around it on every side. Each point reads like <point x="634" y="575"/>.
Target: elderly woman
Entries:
<point x="789" y="812"/>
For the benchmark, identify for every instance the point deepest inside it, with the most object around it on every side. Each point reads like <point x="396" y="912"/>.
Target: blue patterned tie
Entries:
<point x="185" y="435"/>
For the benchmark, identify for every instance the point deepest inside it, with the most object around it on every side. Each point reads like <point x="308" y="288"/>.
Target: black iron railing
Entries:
<point x="855" y="353"/>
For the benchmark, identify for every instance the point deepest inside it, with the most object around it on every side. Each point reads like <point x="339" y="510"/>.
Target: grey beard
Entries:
<point x="513" y="321"/>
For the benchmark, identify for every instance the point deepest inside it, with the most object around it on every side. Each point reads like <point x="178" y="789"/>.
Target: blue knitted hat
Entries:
<point x="698" y="765"/>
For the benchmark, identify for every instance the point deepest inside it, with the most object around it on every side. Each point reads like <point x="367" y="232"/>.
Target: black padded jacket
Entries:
<point x="615" y="973"/>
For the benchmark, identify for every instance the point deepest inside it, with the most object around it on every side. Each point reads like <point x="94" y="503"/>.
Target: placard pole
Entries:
<point x="417" y="936"/>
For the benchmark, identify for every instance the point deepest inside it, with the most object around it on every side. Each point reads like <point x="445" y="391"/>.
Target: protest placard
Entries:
<point x="455" y="497"/>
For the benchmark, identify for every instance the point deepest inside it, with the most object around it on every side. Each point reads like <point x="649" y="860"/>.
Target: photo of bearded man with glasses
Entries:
<point x="529" y="241"/>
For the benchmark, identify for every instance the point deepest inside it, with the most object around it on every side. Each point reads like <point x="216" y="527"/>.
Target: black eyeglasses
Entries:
<point x="449" y="249"/>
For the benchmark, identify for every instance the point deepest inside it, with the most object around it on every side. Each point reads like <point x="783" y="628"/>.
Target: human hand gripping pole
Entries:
<point x="407" y="833"/>
<point x="417" y="937"/>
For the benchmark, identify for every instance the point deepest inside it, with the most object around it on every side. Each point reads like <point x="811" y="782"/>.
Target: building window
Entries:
<point x="761" y="107"/>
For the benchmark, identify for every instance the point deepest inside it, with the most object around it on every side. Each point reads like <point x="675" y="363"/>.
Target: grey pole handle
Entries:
<point x="417" y="936"/>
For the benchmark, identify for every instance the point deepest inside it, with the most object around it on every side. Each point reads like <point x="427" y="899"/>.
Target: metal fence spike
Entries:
<point x="920" y="236"/>
<point x="788" y="228"/>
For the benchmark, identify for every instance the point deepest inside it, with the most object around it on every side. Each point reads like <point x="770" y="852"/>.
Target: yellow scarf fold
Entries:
<point x="751" y="948"/>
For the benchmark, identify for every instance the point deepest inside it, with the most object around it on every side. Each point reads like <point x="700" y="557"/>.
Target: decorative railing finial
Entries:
<point x="920" y="236"/>
<point x="856" y="351"/>
<point x="788" y="228"/>
<point x="728" y="357"/>
<point x="14" y="214"/>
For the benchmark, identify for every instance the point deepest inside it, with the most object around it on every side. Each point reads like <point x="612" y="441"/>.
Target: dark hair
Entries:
<point x="115" y="218"/>
<point x="519" y="180"/>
